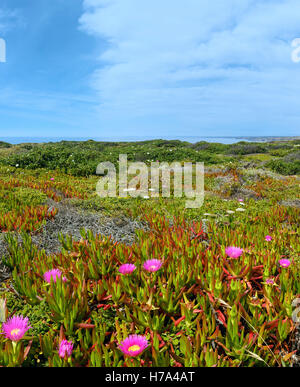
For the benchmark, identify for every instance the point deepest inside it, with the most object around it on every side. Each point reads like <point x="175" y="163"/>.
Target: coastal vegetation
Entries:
<point x="145" y="281"/>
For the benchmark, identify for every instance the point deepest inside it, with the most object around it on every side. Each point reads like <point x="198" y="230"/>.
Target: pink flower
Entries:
<point x="127" y="268"/>
<point x="284" y="262"/>
<point x="233" y="252"/>
<point x="65" y="349"/>
<point x="152" y="265"/>
<point x="133" y="345"/>
<point x="52" y="178"/>
<point x="15" y="327"/>
<point x="270" y="281"/>
<point x="54" y="273"/>
<point x="268" y="238"/>
<point x="241" y="200"/>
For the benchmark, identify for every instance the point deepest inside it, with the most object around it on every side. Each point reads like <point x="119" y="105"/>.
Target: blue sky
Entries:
<point x="118" y="68"/>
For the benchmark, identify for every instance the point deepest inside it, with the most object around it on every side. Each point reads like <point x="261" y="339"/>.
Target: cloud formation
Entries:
<point x="9" y="18"/>
<point x="223" y="65"/>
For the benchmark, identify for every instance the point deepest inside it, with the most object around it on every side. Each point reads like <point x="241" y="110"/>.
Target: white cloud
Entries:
<point x="8" y="19"/>
<point x="215" y="64"/>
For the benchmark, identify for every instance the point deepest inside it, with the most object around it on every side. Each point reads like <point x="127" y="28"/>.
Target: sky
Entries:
<point x="120" y="68"/>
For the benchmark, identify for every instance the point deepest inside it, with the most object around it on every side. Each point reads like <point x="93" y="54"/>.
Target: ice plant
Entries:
<point x="127" y="268"/>
<point x="133" y="345"/>
<point x="15" y="327"/>
<point x="152" y="265"/>
<point x="284" y="262"/>
<point x="268" y="238"/>
<point x="65" y="349"/>
<point x="269" y="281"/>
<point x="233" y="252"/>
<point x="54" y="273"/>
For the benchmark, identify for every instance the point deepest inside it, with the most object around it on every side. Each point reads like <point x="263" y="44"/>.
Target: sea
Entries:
<point x="191" y="139"/>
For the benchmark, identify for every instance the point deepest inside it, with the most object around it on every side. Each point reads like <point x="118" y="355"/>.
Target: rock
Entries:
<point x="290" y="203"/>
<point x="69" y="221"/>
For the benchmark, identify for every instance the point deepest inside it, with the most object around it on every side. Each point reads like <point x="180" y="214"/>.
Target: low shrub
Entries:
<point x="285" y="168"/>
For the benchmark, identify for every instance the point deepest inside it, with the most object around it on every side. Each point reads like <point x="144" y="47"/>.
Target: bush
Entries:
<point x="210" y="147"/>
<point x="285" y="168"/>
<point x="279" y="152"/>
<point x="243" y="148"/>
<point x="292" y="157"/>
<point x="5" y="144"/>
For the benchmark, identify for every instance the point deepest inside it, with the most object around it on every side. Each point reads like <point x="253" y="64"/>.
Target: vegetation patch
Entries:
<point x="90" y="281"/>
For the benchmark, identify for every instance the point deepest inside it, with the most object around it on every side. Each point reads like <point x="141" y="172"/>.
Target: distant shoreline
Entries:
<point x="190" y="139"/>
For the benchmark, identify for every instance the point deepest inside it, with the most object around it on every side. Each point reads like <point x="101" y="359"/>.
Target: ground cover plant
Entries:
<point x="208" y="287"/>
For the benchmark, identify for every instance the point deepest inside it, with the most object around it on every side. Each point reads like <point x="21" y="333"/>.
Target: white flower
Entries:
<point x="146" y="197"/>
<point x="230" y="212"/>
<point x="240" y="209"/>
<point x="17" y="165"/>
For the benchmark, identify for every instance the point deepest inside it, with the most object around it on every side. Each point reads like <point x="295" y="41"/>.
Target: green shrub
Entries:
<point x="285" y="168"/>
<point x="5" y="144"/>
<point x="243" y="148"/>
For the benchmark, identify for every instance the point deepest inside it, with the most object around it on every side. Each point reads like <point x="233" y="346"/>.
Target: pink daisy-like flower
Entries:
<point x="54" y="273"/>
<point x="52" y="179"/>
<point x="65" y="349"/>
<point x="15" y="327"/>
<point x="127" y="268"/>
<point x="241" y="200"/>
<point x="233" y="252"/>
<point x="284" y="262"/>
<point x="269" y="281"/>
<point x="134" y="345"/>
<point x="152" y="265"/>
<point x="268" y="238"/>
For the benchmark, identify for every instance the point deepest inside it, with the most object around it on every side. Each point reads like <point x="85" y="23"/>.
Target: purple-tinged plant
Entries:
<point x="269" y="281"/>
<point x="268" y="238"/>
<point x="15" y="327"/>
<point x="133" y="345"/>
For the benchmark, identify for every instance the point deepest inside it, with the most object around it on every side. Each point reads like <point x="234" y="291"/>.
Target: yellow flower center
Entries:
<point x="15" y="332"/>
<point x="153" y="267"/>
<point x="134" y="348"/>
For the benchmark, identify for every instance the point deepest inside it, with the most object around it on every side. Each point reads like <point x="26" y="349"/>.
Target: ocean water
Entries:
<point x="223" y="140"/>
